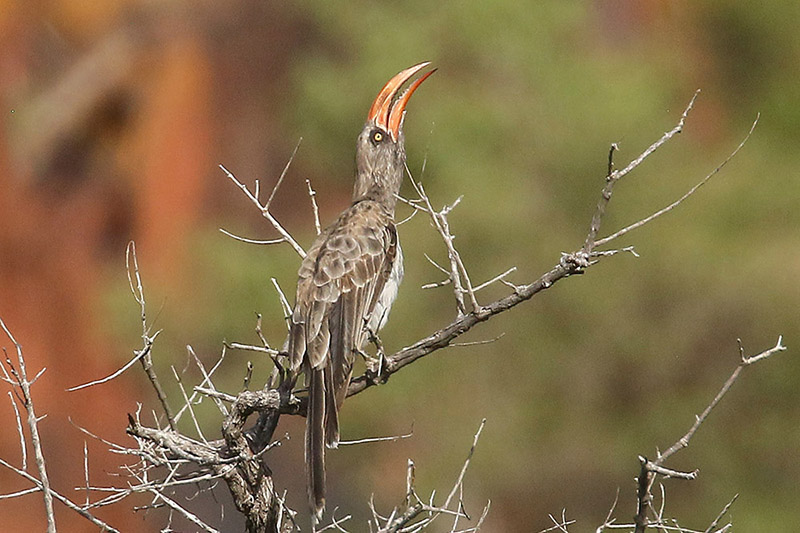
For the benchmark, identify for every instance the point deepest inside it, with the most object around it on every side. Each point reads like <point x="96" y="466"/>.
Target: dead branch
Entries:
<point x="649" y="470"/>
<point x="264" y="208"/>
<point x="20" y="375"/>
<point x="17" y="376"/>
<point x="417" y="514"/>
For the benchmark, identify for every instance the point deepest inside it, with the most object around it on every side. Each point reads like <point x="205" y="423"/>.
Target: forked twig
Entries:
<point x="676" y="203"/>
<point x="264" y="208"/>
<point x="649" y="469"/>
<point x="745" y="362"/>
<point x="614" y="176"/>
<point x="146" y="353"/>
<point x="21" y="376"/>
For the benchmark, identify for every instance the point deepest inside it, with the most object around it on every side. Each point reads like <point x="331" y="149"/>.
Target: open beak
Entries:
<point x="388" y="109"/>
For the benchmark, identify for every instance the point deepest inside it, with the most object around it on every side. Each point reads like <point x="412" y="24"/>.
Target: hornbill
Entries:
<point x="349" y="277"/>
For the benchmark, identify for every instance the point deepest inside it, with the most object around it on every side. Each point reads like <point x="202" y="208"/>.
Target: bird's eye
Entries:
<point x="377" y="136"/>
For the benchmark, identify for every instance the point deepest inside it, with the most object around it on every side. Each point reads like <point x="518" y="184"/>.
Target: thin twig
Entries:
<point x="132" y="265"/>
<point x="746" y="361"/>
<point x="615" y="175"/>
<point x="283" y="174"/>
<point x="207" y="376"/>
<point x="22" y="444"/>
<point x="287" y="308"/>
<point x="391" y="438"/>
<point x="138" y="355"/>
<point x="86" y="471"/>
<point x="251" y="241"/>
<point x="464" y="467"/>
<point x="25" y="492"/>
<point x="265" y="211"/>
<point x="673" y="205"/>
<point x="188" y="404"/>
<point x="608" y="521"/>
<point x="494" y="279"/>
<point x="66" y="501"/>
<point x="33" y="426"/>
<point x="315" y="208"/>
<point x="458" y="272"/>
<point x="476" y="343"/>
<point x="251" y="348"/>
<point x="722" y="513"/>
<point x="186" y="514"/>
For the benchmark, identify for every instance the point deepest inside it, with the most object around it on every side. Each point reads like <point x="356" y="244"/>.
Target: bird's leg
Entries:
<point x="374" y="363"/>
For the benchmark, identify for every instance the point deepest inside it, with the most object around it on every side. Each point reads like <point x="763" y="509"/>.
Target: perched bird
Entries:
<point x="349" y="278"/>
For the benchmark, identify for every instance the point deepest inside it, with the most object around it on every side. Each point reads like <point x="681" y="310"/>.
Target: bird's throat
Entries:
<point x="377" y="188"/>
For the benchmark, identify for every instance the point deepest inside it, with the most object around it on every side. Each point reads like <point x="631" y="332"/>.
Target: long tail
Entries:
<point x="315" y="441"/>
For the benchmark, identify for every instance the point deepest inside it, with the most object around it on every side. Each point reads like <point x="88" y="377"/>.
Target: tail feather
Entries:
<point x="331" y="411"/>
<point x="315" y="441"/>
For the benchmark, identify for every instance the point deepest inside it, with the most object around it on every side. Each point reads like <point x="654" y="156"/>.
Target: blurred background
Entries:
<point x="117" y="113"/>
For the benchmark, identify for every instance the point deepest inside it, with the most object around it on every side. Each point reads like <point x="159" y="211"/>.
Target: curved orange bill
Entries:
<point x="386" y="111"/>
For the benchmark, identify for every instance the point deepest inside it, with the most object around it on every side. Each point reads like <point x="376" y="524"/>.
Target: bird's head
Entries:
<point x="380" y="151"/>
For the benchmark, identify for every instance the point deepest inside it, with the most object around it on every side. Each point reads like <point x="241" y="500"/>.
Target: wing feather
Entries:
<point x="339" y="284"/>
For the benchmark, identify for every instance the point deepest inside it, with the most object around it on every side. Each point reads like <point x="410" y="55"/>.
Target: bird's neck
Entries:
<point x="378" y="189"/>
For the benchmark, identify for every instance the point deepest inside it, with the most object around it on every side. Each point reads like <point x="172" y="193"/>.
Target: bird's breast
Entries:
<point x="380" y="315"/>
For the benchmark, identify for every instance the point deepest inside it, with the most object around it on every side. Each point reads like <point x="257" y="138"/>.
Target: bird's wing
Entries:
<point x="339" y="283"/>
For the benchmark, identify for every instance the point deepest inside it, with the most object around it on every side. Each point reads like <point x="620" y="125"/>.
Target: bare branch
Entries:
<point x="287" y="308"/>
<point x="86" y="471"/>
<point x="283" y="174"/>
<point x="746" y="361"/>
<point x="680" y="200"/>
<point x="207" y="376"/>
<point x="66" y="501"/>
<point x="570" y="264"/>
<point x="12" y="495"/>
<point x="650" y="469"/>
<point x="414" y="507"/>
<point x="138" y="355"/>
<point x="187" y="404"/>
<point x="722" y="513"/>
<point x="33" y="426"/>
<point x="22" y="444"/>
<point x="464" y="467"/>
<point x="559" y="525"/>
<point x="251" y="241"/>
<point x="391" y="438"/>
<point x="145" y="354"/>
<point x="495" y="279"/>
<point x="313" y="195"/>
<point x="213" y="393"/>
<point x="265" y="209"/>
<point x="615" y="175"/>
<point x="458" y="272"/>
<point x="251" y="348"/>
<point x="182" y="511"/>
